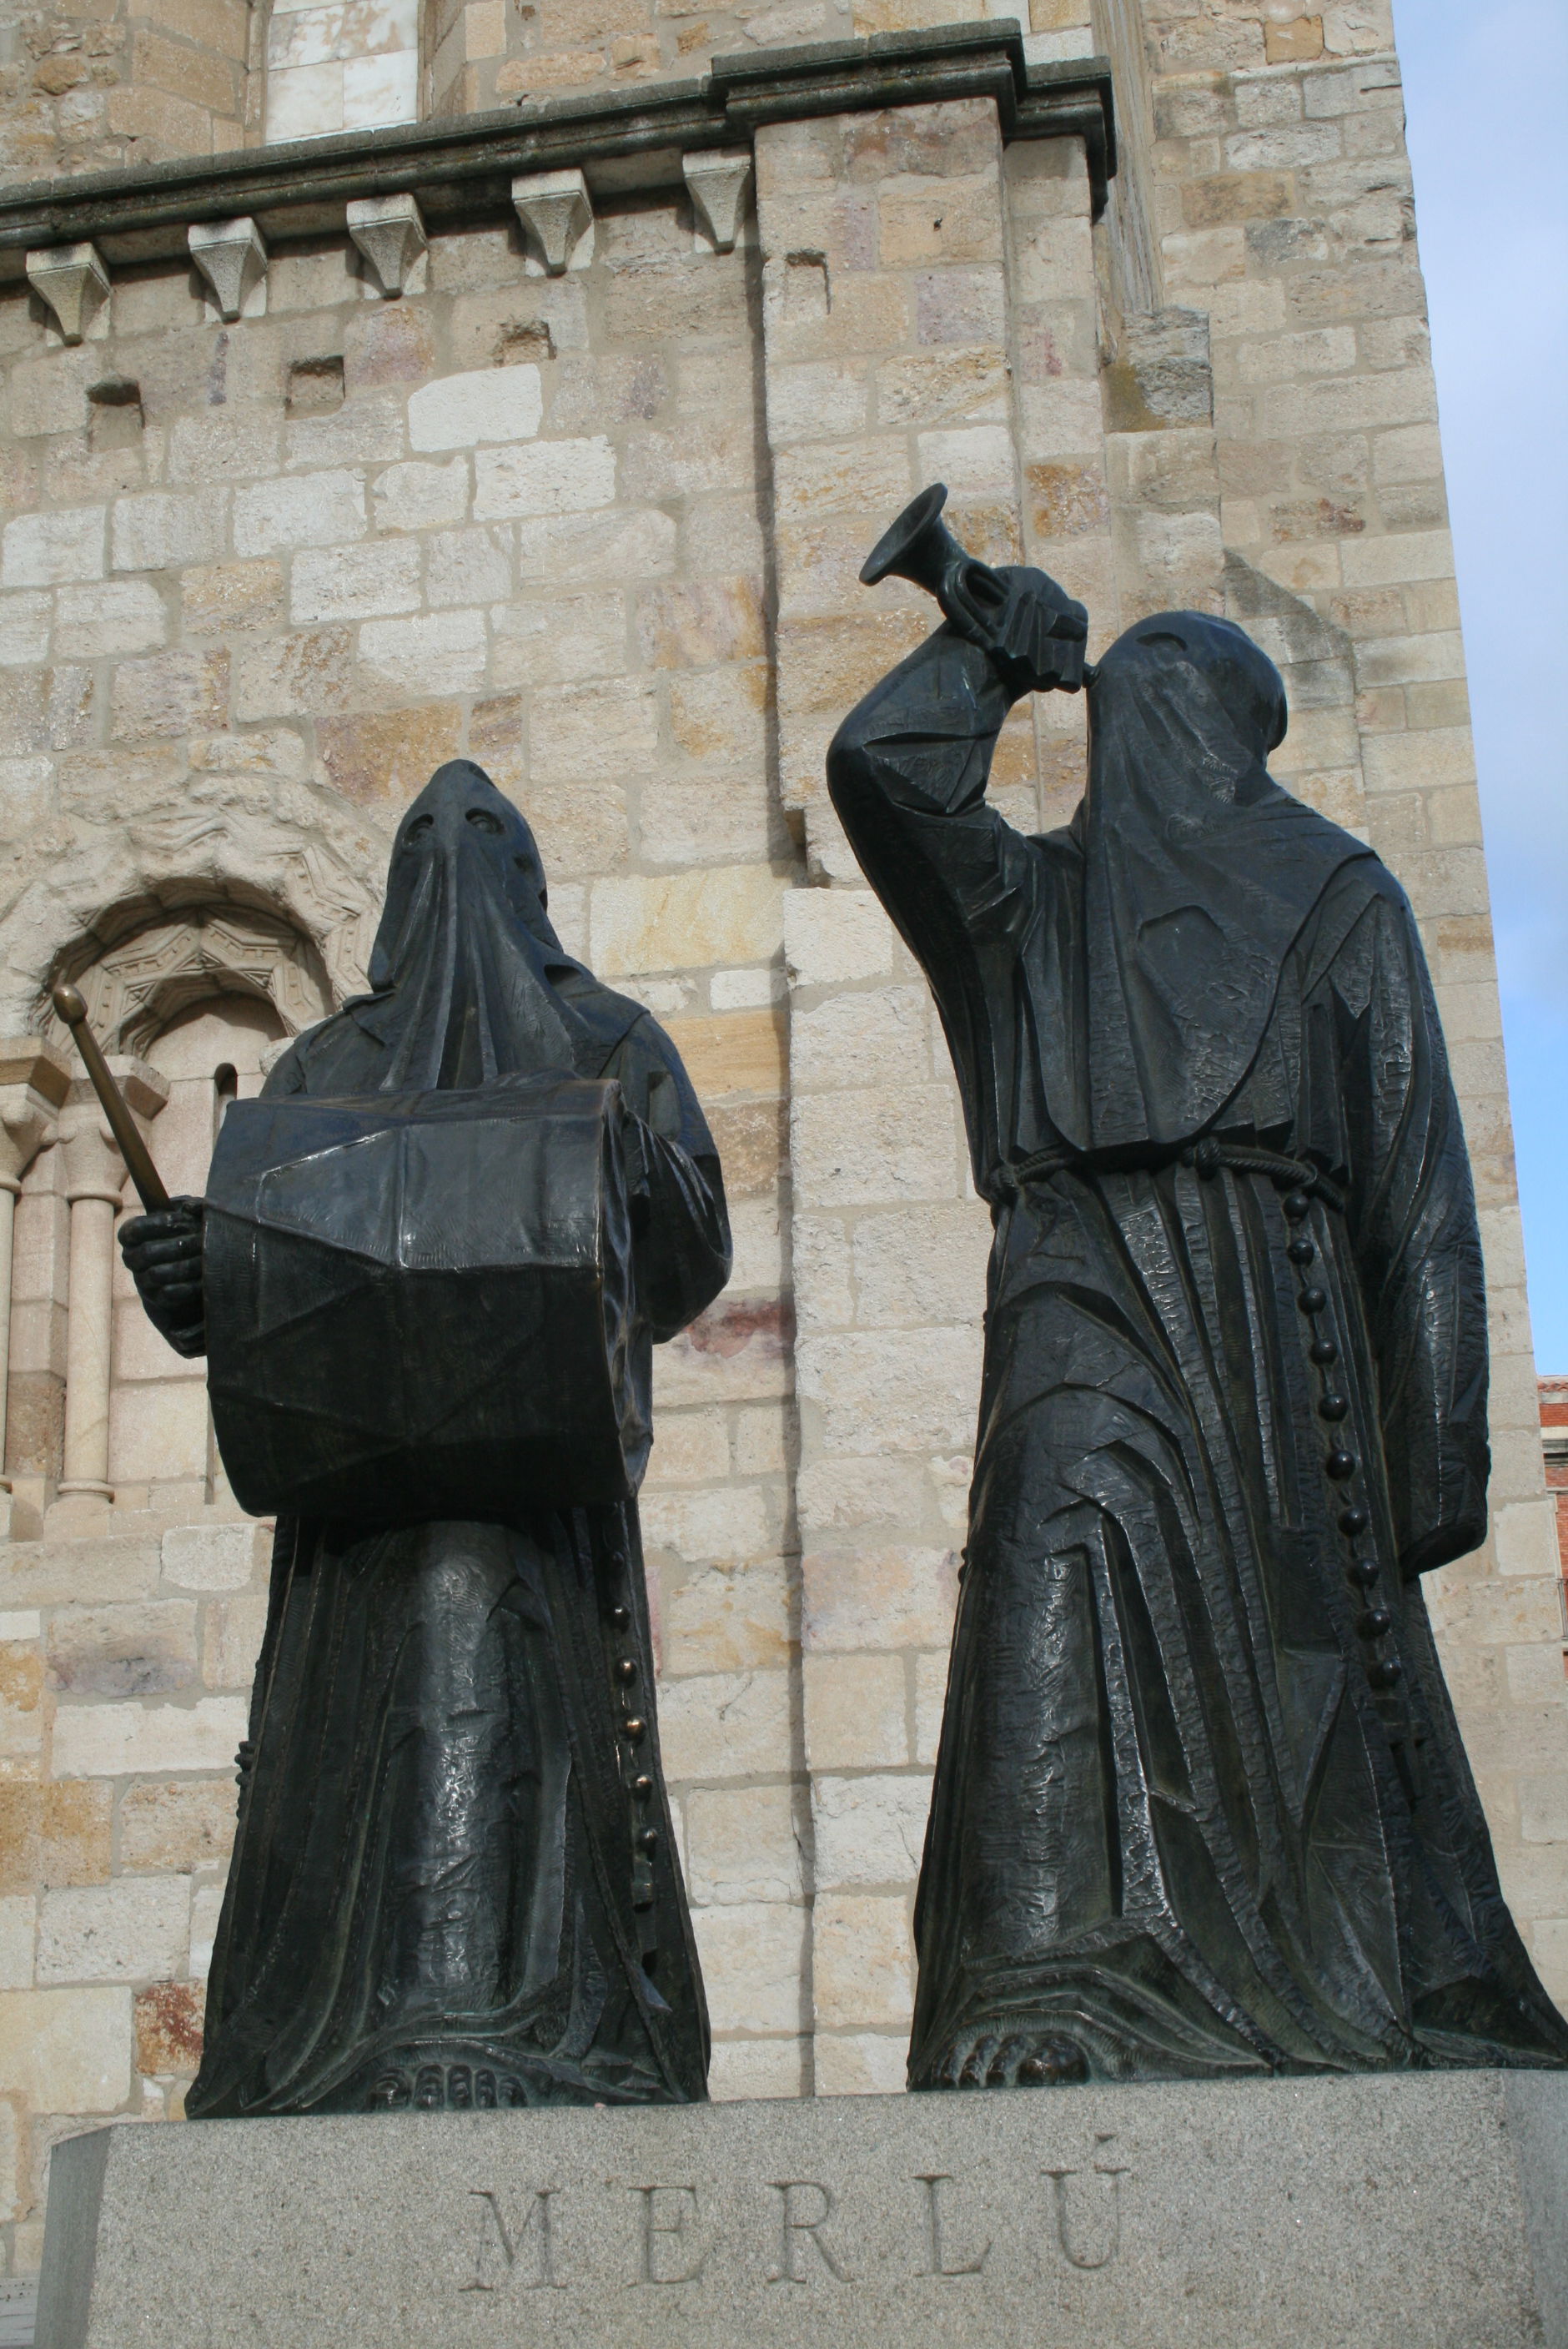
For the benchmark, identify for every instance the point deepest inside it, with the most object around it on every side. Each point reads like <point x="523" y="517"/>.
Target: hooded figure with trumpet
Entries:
<point x="1201" y="1807"/>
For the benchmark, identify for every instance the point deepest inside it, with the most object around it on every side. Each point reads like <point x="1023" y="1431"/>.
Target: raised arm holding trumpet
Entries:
<point x="1233" y="1403"/>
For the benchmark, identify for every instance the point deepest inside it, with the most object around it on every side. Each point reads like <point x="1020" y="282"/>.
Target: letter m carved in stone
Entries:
<point x="501" y="2249"/>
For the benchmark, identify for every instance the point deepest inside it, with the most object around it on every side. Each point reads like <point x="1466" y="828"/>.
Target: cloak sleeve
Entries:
<point x="1413" y="1221"/>
<point x="683" y="1225"/>
<point x="907" y="773"/>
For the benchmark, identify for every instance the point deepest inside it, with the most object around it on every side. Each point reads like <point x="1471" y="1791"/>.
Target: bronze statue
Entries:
<point x="1201" y="1808"/>
<point x="431" y="1262"/>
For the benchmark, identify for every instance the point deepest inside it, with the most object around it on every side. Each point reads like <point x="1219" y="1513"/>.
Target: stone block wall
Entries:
<point x="515" y="517"/>
<point x="84" y="86"/>
<point x="485" y="52"/>
<point x="600" y="532"/>
<point x="340" y="65"/>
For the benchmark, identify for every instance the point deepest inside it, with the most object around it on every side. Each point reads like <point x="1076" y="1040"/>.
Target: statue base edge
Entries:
<point x="1381" y="2210"/>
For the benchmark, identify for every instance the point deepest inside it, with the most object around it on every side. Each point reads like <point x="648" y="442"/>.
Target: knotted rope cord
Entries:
<point x="1206" y="1158"/>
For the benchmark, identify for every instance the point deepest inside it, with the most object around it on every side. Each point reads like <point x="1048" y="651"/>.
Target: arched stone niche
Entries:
<point x="135" y="988"/>
<point x="192" y="1004"/>
<point x="317" y="874"/>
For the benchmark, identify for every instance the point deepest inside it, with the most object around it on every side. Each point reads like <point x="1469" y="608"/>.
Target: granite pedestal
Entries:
<point x="1425" y="2211"/>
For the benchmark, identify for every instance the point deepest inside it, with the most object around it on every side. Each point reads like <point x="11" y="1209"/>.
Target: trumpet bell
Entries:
<point x="918" y="546"/>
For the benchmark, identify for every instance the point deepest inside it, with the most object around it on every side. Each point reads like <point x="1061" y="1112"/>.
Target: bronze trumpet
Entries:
<point x="1034" y="642"/>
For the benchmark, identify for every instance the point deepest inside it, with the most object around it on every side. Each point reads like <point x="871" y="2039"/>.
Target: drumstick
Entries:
<point x="67" y="1001"/>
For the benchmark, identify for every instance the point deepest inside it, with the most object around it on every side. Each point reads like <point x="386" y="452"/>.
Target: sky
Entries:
<point x="1486" y="95"/>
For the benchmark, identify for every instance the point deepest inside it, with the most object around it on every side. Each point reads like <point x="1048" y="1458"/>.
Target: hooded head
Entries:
<point x="466" y="968"/>
<point x="1233" y="688"/>
<point x="460" y="829"/>
<point x="1199" y="874"/>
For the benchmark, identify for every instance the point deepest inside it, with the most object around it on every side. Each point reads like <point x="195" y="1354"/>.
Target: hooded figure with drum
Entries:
<point x="427" y="1274"/>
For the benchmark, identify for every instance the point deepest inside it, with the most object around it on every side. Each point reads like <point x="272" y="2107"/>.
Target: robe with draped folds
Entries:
<point x="454" y="1880"/>
<point x="1201" y="1805"/>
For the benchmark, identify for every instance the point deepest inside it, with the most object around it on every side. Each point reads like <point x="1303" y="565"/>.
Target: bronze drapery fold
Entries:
<point x="454" y="1882"/>
<point x="1201" y="1804"/>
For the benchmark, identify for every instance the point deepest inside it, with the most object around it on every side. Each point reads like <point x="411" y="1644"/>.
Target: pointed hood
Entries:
<point x="1199" y="873"/>
<point x="469" y="980"/>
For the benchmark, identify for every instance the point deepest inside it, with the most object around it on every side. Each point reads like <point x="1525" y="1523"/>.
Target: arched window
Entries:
<point x="192" y="1010"/>
<point x="340" y="65"/>
<point x="159" y="1427"/>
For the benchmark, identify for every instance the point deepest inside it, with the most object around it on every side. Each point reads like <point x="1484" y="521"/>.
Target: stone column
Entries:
<point x="33" y="1082"/>
<point x="95" y="1184"/>
<point x="1053" y="310"/>
<point x="929" y="314"/>
<point x="886" y="367"/>
<point x="885" y="351"/>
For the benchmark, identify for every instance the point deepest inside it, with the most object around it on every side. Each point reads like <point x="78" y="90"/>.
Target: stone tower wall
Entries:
<point x="600" y="531"/>
<point x="84" y="86"/>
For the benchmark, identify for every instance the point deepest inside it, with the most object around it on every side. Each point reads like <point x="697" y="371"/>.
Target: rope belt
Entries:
<point x="1206" y="1158"/>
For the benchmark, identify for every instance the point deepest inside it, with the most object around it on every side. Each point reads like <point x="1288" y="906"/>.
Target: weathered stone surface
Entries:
<point x="128" y="1931"/>
<point x="390" y="755"/>
<point x="1254" y="2215"/>
<point x="926" y="296"/>
<point x="173" y="1823"/>
<point x="93" y="1741"/>
<point x="458" y="410"/>
<point x="208" y="1558"/>
<point x="66" y="2050"/>
<point x="53" y="1835"/>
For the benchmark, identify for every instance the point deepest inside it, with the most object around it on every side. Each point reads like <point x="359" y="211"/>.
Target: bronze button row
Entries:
<point x="624" y="1673"/>
<point x="1339" y="1463"/>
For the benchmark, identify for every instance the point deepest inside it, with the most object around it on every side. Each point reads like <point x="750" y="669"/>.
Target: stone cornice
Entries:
<point x="461" y="168"/>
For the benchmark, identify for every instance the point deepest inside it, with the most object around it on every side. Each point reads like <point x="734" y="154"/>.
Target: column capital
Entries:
<point x="33" y="1083"/>
<point x="94" y="1168"/>
<point x="33" y="1060"/>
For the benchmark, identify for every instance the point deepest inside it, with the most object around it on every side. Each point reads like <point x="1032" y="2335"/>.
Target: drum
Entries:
<point x="423" y="1306"/>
